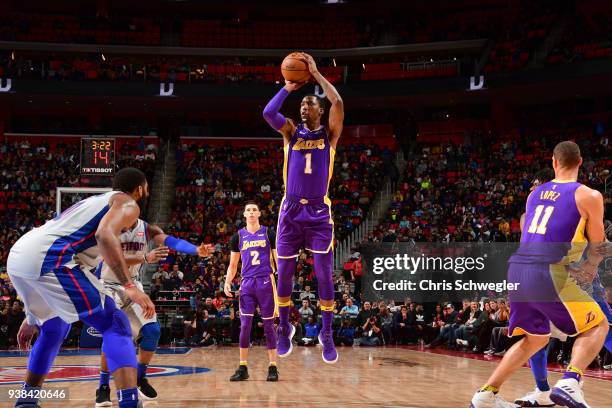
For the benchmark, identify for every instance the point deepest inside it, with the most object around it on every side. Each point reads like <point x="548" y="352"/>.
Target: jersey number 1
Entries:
<point x="537" y="226"/>
<point x="308" y="168"/>
<point x="255" y="258"/>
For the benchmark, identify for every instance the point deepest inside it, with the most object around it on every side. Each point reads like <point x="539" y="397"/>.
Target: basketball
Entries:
<point x="294" y="68"/>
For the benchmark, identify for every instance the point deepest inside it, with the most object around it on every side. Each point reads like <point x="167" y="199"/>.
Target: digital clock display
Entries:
<point x="97" y="157"/>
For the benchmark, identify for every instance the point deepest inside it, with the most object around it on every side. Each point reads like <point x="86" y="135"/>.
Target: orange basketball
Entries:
<point x="294" y="69"/>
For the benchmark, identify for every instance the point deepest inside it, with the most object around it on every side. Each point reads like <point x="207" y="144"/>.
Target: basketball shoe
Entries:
<point x="488" y="399"/>
<point x="536" y="398"/>
<point x="568" y="393"/>
<point x="284" y="344"/>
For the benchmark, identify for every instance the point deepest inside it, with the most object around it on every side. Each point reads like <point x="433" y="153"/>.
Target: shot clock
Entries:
<point x="97" y="156"/>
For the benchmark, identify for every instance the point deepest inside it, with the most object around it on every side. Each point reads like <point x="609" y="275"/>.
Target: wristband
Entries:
<point x="144" y="258"/>
<point x="129" y="285"/>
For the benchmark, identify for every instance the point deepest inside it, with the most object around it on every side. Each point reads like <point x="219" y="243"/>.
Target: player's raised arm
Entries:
<point x="272" y="115"/>
<point x="179" y="245"/>
<point x="336" y="112"/>
<point x="232" y="268"/>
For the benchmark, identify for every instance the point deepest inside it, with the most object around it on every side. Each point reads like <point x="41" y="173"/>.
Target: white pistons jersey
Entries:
<point x="133" y="242"/>
<point x="68" y="238"/>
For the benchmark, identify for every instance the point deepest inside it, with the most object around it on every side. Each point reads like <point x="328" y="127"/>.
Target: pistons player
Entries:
<point x="305" y="218"/>
<point x="145" y="330"/>
<point x="49" y="267"/>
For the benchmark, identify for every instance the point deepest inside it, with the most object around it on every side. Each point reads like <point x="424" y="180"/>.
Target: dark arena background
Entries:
<point x="451" y="108"/>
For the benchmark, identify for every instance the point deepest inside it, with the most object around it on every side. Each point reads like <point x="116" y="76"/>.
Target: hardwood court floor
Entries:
<point x="369" y="377"/>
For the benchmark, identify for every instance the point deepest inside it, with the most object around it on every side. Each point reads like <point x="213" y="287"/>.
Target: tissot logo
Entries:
<point x="97" y="170"/>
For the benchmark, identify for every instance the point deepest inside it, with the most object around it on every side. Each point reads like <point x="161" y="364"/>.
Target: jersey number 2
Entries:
<point x="255" y="258"/>
<point x="537" y="226"/>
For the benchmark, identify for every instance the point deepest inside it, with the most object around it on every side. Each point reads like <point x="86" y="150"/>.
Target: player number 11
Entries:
<point x="537" y="226"/>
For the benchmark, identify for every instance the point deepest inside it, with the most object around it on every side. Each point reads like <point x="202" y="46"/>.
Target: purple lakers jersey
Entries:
<point x="255" y="252"/>
<point x="309" y="163"/>
<point x="554" y="230"/>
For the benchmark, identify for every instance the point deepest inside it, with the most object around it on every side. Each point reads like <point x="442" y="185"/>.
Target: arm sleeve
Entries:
<point x="272" y="238"/>
<point x="235" y="243"/>
<point x="271" y="112"/>
<point x="180" y="245"/>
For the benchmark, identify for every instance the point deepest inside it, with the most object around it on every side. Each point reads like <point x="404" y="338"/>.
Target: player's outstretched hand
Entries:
<point x="205" y="250"/>
<point x="604" y="249"/>
<point x="26" y="334"/>
<point x="140" y="298"/>
<point x="227" y="288"/>
<point x="157" y="254"/>
<point x="291" y="86"/>
<point x="312" y="65"/>
<point x="582" y="271"/>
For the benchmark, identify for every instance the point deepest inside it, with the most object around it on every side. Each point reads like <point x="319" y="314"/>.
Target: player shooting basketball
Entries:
<point x="305" y="218"/>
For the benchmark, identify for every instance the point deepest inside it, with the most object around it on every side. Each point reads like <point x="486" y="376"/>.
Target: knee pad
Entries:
<point x="52" y="335"/>
<point x="270" y="333"/>
<point x="149" y="336"/>
<point x="245" y="330"/>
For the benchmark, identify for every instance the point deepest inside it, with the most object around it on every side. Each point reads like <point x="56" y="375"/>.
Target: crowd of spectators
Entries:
<point x="475" y="191"/>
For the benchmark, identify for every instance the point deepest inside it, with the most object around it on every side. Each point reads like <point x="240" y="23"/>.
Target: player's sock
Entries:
<point x="142" y="370"/>
<point x="243" y="363"/>
<point x="286" y="271"/>
<point x="538" y="368"/>
<point x="128" y="398"/>
<point x="245" y="330"/>
<point x="488" y="387"/>
<point x="104" y="378"/>
<point x="273" y="363"/>
<point x="283" y="314"/>
<point x="327" y="317"/>
<point x="270" y="334"/>
<point x="573" y="372"/>
<point x="323" y="264"/>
